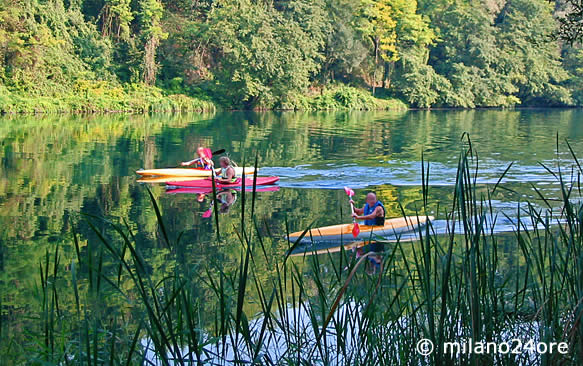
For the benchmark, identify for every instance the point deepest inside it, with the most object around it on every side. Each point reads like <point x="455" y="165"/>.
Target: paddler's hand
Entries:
<point x="184" y="163"/>
<point x="351" y="201"/>
<point x="355" y="216"/>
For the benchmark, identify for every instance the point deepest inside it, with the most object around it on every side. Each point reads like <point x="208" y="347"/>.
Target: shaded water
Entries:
<point x="54" y="168"/>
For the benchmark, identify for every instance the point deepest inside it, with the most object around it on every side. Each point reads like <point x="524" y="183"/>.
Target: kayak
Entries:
<point x="344" y="231"/>
<point x="208" y="183"/>
<point x="164" y="179"/>
<point x="187" y="172"/>
<point x="194" y="190"/>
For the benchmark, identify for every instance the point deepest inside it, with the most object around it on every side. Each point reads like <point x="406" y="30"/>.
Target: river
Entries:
<point x="55" y="169"/>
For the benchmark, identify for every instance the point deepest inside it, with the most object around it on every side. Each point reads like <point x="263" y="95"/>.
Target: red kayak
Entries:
<point x="195" y="190"/>
<point x="208" y="183"/>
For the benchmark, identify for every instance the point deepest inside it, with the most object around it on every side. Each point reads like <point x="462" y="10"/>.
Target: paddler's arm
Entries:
<point x="187" y="163"/>
<point x="357" y="210"/>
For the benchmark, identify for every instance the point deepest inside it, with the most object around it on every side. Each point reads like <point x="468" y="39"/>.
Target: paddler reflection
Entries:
<point x="225" y="199"/>
<point x="374" y="260"/>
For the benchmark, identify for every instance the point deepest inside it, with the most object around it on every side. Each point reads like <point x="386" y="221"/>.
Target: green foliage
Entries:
<point x="46" y="46"/>
<point x="570" y="16"/>
<point x="117" y="16"/>
<point x="498" y="57"/>
<point x="264" y="53"/>
<point x="344" y="50"/>
<point x="101" y="96"/>
<point x="574" y="65"/>
<point x="256" y="54"/>
<point x="341" y="97"/>
<point x="151" y="12"/>
<point x="533" y="59"/>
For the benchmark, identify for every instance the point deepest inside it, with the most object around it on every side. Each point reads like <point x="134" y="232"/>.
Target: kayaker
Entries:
<point x="202" y="162"/>
<point x="227" y="172"/>
<point x="373" y="212"/>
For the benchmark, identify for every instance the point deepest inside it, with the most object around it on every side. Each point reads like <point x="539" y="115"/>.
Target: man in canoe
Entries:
<point x="227" y="172"/>
<point x="373" y="212"/>
<point x="202" y="162"/>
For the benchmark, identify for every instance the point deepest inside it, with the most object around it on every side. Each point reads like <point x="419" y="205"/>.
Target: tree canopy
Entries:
<point x="264" y="54"/>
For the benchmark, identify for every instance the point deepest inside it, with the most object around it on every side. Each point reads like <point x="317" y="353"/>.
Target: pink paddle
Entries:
<point x="355" y="227"/>
<point x="208" y="212"/>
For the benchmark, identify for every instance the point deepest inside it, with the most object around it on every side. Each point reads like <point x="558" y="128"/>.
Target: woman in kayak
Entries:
<point x="227" y="172"/>
<point x="202" y="162"/>
<point x="373" y="212"/>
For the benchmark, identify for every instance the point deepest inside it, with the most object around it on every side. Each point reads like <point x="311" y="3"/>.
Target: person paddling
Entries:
<point x="227" y="172"/>
<point x="202" y="162"/>
<point x="373" y="212"/>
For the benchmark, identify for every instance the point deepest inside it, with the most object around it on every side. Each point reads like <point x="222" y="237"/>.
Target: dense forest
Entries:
<point x="287" y="54"/>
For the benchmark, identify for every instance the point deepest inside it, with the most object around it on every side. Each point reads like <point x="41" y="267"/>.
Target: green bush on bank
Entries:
<point x="341" y="98"/>
<point x="88" y="96"/>
<point x="101" y="96"/>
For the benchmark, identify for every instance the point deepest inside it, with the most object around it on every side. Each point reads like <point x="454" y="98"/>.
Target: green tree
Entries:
<point x="344" y="49"/>
<point x="570" y="16"/>
<point x="261" y="54"/>
<point x="151" y="12"/>
<point x="117" y="16"/>
<point x="573" y="63"/>
<point x="376" y="23"/>
<point x="413" y="38"/>
<point x="532" y="56"/>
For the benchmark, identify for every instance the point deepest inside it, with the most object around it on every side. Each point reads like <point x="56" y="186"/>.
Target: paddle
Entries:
<point x="220" y="151"/>
<point x="355" y="227"/>
<point x="208" y="212"/>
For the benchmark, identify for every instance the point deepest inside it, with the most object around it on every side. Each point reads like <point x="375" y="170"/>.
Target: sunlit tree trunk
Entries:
<point x="388" y="68"/>
<point x="152" y="33"/>
<point x="376" y="41"/>
<point x="150" y="66"/>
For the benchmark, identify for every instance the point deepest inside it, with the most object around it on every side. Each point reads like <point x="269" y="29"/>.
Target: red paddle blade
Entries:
<point x="355" y="230"/>
<point x="349" y="191"/>
<point x="208" y="153"/>
<point x="207" y="213"/>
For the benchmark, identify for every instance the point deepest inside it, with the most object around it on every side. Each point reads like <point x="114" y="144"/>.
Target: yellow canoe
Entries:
<point x="164" y="179"/>
<point x="344" y="231"/>
<point x="186" y="172"/>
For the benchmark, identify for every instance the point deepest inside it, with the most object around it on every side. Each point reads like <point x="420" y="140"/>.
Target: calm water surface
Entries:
<point x="52" y="169"/>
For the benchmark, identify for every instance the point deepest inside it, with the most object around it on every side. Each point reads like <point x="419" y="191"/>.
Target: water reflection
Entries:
<point x="54" y="167"/>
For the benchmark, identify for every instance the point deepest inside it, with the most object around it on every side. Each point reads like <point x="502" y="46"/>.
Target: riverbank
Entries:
<point x="104" y="97"/>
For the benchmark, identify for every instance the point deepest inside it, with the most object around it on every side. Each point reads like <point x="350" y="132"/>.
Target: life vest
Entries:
<point x="377" y="221"/>
<point x="201" y="163"/>
<point x="224" y="174"/>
